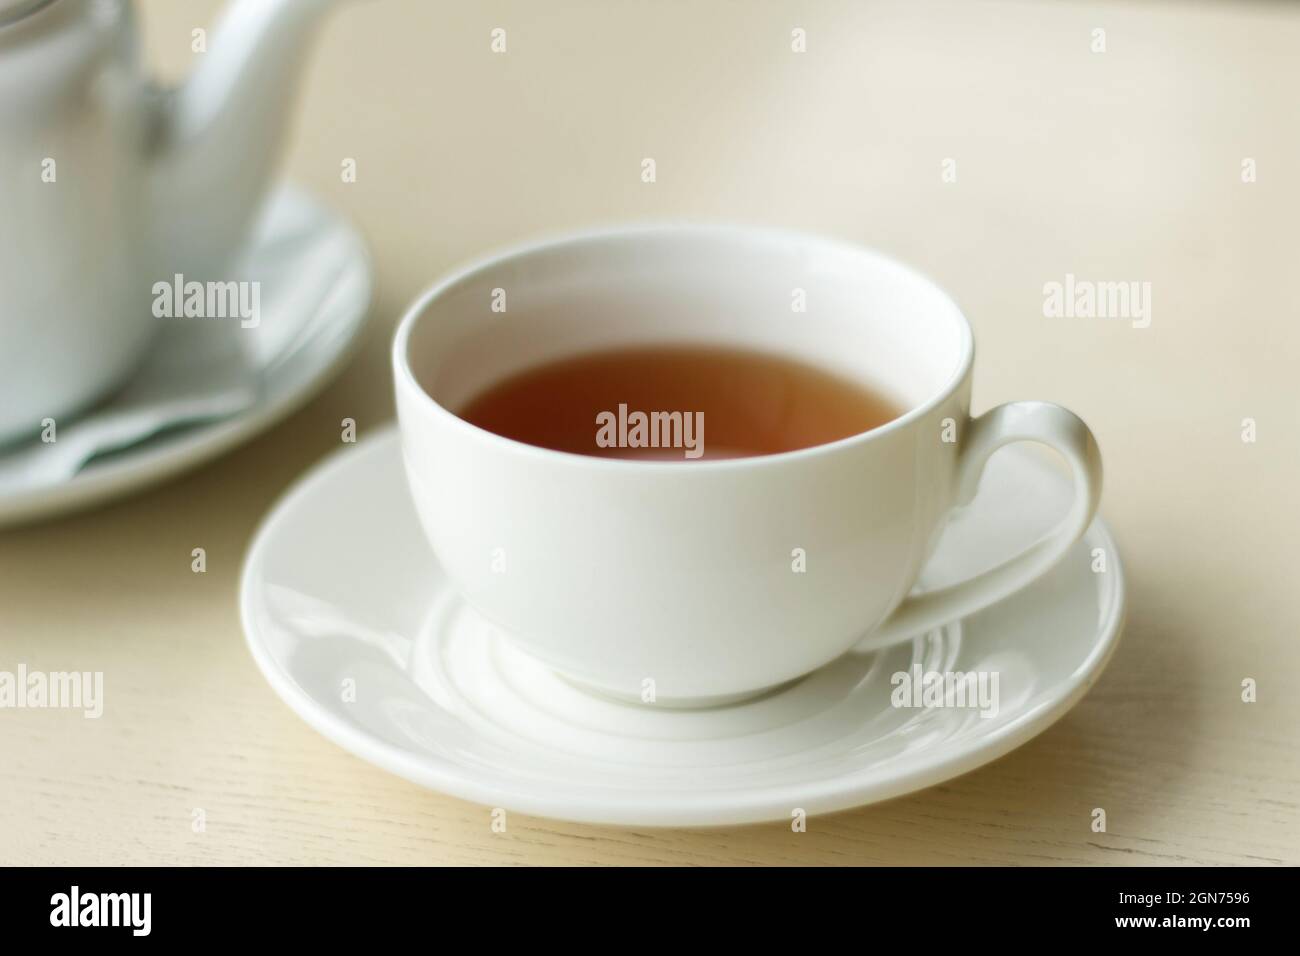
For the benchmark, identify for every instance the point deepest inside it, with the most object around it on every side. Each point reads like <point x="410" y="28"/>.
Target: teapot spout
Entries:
<point x="218" y="136"/>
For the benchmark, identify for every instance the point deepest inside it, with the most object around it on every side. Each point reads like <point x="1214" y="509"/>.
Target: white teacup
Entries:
<point x="620" y="573"/>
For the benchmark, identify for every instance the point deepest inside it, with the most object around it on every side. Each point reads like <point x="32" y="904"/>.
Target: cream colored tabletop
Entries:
<point x="997" y="147"/>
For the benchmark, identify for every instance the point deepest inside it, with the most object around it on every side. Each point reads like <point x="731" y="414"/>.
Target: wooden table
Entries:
<point x="1123" y="165"/>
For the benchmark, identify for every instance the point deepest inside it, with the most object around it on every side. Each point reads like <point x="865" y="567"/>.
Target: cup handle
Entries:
<point x="1042" y="422"/>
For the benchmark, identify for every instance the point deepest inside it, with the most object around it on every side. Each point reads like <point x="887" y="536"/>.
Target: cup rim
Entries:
<point x="405" y="377"/>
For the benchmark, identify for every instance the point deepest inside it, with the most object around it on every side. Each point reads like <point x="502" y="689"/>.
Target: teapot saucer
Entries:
<point x="227" y="382"/>
<point x="352" y="622"/>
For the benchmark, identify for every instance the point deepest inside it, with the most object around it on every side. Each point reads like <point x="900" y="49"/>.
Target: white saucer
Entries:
<point x="339" y="586"/>
<point x="315" y="277"/>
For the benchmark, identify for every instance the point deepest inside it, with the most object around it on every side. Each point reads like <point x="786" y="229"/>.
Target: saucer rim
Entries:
<point x="148" y="467"/>
<point x="710" y="808"/>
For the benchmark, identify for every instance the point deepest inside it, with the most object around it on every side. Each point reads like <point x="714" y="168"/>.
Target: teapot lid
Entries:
<point x="14" y="9"/>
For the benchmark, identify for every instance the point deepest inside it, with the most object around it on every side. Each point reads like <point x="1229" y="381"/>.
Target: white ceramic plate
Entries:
<point x="316" y="278"/>
<point x="353" y="624"/>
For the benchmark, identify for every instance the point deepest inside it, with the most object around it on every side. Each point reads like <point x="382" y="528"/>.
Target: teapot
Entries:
<point x="110" y="183"/>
